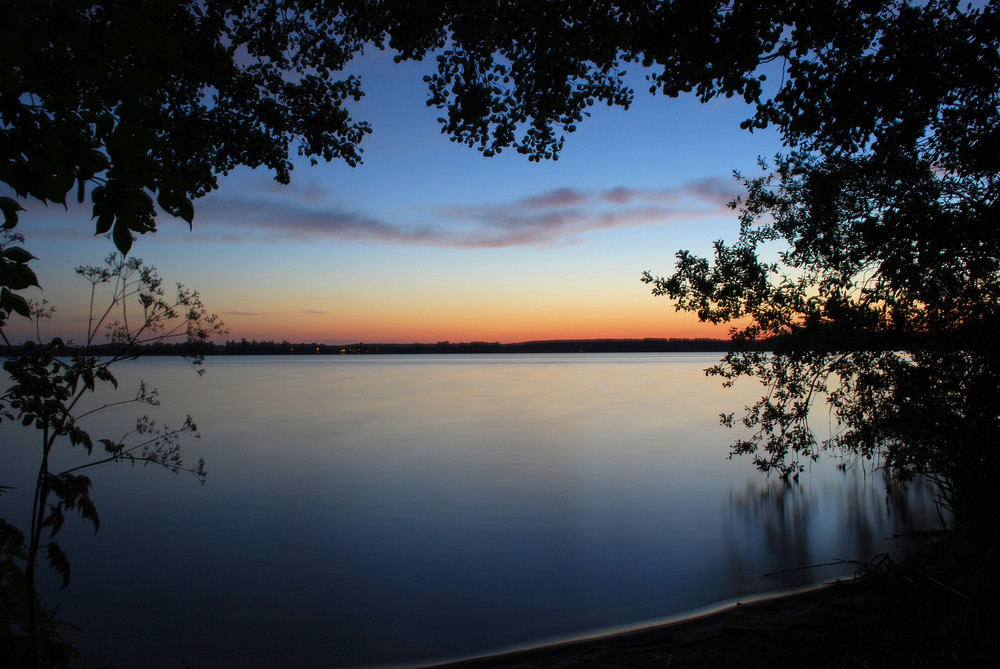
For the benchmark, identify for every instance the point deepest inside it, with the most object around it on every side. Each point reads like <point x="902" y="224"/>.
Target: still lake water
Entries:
<point x="398" y="509"/>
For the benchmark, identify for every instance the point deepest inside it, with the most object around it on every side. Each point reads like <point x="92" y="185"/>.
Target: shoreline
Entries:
<point x="514" y="655"/>
<point x="904" y="614"/>
<point x="661" y="639"/>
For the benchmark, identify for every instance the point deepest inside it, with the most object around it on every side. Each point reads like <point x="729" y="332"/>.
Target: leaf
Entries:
<point x="94" y="162"/>
<point x="88" y="511"/>
<point x="11" y="302"/>
<point x="55" y="187"/>
<point x="17" y="276"/>
<point x="104" y="374"/>
<point x="105" y="124"/>
<point x="9" y="206"/>
<point x="58" y="562"/>
<point x="186" y="211"/>
<point x="11" y="538"/>
<point x="104" y="223"/>
<point x="177" y="205"/>
<point x="55" y="519"/>
<point x="73" y="492"/>
<point x="122" y="236"/>
<point x="17" y="254"/>
<point x="110" y="446"/>
<point x="80" y="437"/>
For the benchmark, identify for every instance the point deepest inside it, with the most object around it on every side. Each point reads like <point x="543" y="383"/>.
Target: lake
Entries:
<point x="365" y="510"/>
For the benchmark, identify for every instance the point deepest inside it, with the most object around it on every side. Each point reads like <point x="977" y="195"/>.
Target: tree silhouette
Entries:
<point x="890" y="110"/>
<point x="884" y="300"/>
<point x="48" y="382"/>
<point x="140" y="105"/>
<point x="871" y="259"/>
<point x="870" y="256"/>
<point x="143" y="104"/>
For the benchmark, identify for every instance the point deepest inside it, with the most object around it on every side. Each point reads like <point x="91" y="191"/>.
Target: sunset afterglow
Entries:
<point x="429" y="241"/>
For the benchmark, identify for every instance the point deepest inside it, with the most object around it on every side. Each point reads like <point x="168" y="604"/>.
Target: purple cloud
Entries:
<point x="719" y="191"/>
<point x="561" y="197"/>
<point x="560" y="216"/>
<point x="557" y="217"/>
<point x="303" y="190"/>
<point x="623" y="196"/>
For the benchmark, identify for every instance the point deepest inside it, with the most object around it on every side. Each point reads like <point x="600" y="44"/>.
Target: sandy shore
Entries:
<point x="902" y="618"/>
<point x="743" y="634"/>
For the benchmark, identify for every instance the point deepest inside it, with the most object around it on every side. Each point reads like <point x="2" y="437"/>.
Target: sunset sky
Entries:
<point x="429" y="241"/>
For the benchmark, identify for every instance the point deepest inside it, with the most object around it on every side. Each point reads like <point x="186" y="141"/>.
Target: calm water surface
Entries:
<point x="397" y="509"/>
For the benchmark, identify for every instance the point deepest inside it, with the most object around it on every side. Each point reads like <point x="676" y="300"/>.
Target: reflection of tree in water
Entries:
<point x="776" y="524"/>
<point x="915" y="506"/>
<point x="864" y="518"/>
<point x="774" y="515"/>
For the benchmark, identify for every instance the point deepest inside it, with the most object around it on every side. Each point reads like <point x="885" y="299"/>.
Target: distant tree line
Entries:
<point x="650" y="345"/>
<point x="183" y="349"/>
<point x="272" y="347"/>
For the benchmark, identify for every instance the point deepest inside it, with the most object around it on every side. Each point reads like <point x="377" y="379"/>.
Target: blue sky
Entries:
<point x="429" y="241"/>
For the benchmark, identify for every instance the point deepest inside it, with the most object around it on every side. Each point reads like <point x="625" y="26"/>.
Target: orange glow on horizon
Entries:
<point x="375" y="329"/>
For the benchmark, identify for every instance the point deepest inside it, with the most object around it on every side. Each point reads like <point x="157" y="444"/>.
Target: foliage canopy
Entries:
<point x="145" y="103"/>
<point x="870" y="258"/>
<point x="886" y="204"/>
<point x="49" y="385"/>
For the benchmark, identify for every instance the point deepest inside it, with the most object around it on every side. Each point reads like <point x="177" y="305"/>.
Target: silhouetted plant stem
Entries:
<point x="49" y="383"/>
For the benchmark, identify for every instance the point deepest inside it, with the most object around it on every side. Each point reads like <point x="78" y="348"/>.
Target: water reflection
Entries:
<point x="397" y="509"/>
<point x="810" y="530"/>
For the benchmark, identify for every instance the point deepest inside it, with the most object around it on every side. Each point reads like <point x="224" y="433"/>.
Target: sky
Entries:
<point x="429" y="241"/>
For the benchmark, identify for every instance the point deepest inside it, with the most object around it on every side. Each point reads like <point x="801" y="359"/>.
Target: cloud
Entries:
<point x="306" y="190"/>
<point x="552" y="218"/>
<point x="561" y="216"/>
<point x="259" y="314"/>
<point x="719" y="191"/>
<point x="624" y="196"/>
<point x="291" y="219"/>
<point x="561" y="197"/>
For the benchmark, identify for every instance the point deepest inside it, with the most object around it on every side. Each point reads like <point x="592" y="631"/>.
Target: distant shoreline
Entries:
<point x="254" y="347"/>
<point x="648" y="345"/>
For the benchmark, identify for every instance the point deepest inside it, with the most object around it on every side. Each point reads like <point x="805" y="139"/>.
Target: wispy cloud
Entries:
<point x="305" y="190"/>
<point x="563" y="215"/>
<point x="559" y="198"/>
<point x="258" y="314"/>
<point x="719" y="191"/>
<point x="553" y="218"/>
